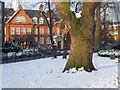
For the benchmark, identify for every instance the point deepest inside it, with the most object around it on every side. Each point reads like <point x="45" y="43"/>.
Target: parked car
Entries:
<point x="108" y="46"/>
<point x="10" y="47"/>
<point x="61" y="51"/>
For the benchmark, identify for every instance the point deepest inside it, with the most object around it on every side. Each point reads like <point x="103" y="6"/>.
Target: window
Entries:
<point x="41" y="31"/>
<point x="115" y="27"/>
<point x="35" y="20"/>
<point x="41" y="40"/>
<point x="28" y="30"/>
<point x="48" y="41"/>
<point x="41" y="20"/>
<point x="48" y="31"/>
<point x="115" y="37"/>
<point x="20" y="19"/>
<point x="12" y="31"/>
<point x="36" y="39"/>
<point x="18" y="31"/>
<point x="23" y="31"/>
<point x="115" y="32"/>
<point x="5" y="31"/>
<point x="35" y="31"/>
<point x="57" y="31"/>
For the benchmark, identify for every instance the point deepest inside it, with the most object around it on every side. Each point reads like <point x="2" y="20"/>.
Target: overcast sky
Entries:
<point x="32" y="4"/>
<point x="26" y="4"/>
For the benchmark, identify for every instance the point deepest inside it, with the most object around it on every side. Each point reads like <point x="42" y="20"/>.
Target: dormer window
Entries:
<point x="35" y="20"/>
<point x="41" y="20"/>
<point x="20" y="19"/>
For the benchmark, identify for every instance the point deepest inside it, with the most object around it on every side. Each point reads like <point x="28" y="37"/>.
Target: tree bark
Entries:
<point x="81" y="31"/>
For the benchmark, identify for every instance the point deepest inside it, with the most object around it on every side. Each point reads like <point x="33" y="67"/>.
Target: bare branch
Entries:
<point x="45" y="18"/>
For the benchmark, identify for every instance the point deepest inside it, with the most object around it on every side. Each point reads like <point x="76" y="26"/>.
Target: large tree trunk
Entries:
<point x="97" y="30"/>
<point x="81" y="31"/>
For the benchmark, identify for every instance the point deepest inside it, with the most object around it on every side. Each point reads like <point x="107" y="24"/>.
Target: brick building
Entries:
<point x="114" y="30"/>
<point x="30" y="27"/>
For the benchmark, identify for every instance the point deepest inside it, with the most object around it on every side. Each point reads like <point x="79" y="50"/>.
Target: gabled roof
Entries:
<point x="33" y="13"/>
<point x="14" y="14"/>
<point x="10" y="13"/>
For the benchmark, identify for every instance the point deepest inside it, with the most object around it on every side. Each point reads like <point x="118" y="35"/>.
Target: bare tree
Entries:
<point x="50" y="24"/>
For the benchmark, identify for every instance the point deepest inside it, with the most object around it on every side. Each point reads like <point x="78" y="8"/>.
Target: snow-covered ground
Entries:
<point x="47" y="73"/>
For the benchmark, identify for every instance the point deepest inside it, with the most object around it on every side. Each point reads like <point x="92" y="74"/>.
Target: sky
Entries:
<point x="33" y="4"/>
<point x="27" y="4"/>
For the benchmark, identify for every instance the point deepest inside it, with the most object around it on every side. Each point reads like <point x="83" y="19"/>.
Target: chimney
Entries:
<point x="20" y="6"/>
<point x="15" y="4"/>
<point x="41" y="8"/>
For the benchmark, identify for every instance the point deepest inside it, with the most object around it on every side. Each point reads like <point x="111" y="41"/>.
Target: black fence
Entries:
<point x="25" y="57"/>
<point x="29" y="55"/>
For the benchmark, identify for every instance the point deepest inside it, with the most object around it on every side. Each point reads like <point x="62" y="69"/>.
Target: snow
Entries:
<point x="47" y="73"/>
<point x="109" y="52"/>
<point x="19" y="54"/>
<point x="10" y="54"/>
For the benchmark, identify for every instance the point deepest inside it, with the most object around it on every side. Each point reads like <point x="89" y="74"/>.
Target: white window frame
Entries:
<point x="41" y="31"/>
<point x="48" y="41"/>
<point x="18" y="31"/>
<point x="35" y="20"/>
<point x="20" y="19"/>
<point x="12" y="30"/>
<point x="5" y="31"/>
<point x="41" y="40"/>
<point x="28" y="30"/>
<point x="41" y="20"/>
<point x="48" y="31"/>
<point x="23" y="31"/>
<point x="35" y="31"/>
<point x="36" y="39"/>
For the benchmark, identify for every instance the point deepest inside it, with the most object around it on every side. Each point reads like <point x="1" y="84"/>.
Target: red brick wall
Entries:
<point x="29" y="24"/>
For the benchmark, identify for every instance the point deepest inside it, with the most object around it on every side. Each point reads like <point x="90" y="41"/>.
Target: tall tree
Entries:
<point x="81" y="31"/>
<point x="50" y="24"/>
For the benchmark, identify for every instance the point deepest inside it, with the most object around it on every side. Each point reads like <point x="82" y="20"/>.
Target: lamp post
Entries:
<point x="2" y="36"/>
